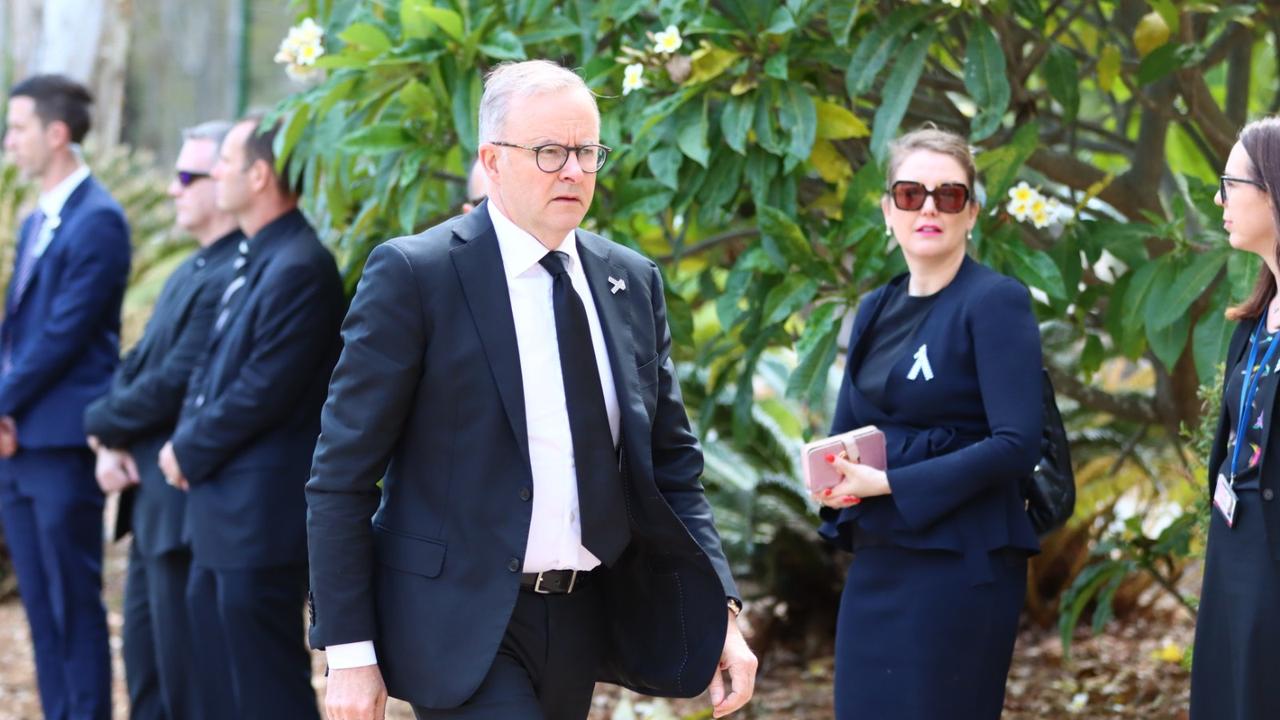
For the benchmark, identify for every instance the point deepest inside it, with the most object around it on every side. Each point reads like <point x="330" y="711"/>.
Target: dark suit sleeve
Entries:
<point x="1006" y="348"/>
<point x="370" y="397"/>
<point x="677" y="458"/>
<point x="291" y="338"/>
<point x="152" y="400"/>
<point x="97" y="268"/>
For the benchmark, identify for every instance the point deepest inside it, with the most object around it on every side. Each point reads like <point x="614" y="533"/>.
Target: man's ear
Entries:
<point x="261" y="175"/>
<point x="487" y="154"/>
<point x="57" y="134"/>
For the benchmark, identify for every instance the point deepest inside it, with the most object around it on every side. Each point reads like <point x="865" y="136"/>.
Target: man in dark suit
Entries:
<point x="128" y="426"/>
<point x="541" y="524"/>
<point x="244" y="441"/>
<point x="58" y="347"/>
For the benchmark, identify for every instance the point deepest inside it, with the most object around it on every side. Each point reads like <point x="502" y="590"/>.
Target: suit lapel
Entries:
<point x="612" y="307"/>
<point x="478" y="263"/>
<point x="68" y="211"/>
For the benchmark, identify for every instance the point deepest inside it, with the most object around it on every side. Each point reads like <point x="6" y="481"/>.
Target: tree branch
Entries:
<point x="1129" y="406"/>
<point x="707" y="244"/>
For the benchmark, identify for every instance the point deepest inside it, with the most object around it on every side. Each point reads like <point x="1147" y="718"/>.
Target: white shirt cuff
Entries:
<point x="351" y="655"/>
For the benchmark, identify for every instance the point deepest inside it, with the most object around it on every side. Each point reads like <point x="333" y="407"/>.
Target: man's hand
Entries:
<point x="169" y="466"/>
<point x="356" y="694"/>
<point x="115" y="470"/>
<point x="741" y="663"/>
<point x="8" y="437"/>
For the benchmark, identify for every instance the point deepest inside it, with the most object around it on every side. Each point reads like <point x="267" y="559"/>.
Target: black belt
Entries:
<point x="554" y="582"/>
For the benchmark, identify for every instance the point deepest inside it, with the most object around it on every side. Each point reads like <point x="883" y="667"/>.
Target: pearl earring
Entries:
<point x="888" y="231"/>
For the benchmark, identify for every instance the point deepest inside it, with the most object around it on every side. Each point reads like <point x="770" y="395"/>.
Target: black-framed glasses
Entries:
<point x="187" y="177"/>
<point x="1224" y="179"/>
<point x="949" y="198"/>
<point x="553" y="156"/>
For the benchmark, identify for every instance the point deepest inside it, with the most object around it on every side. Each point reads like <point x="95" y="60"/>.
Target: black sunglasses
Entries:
<point x="187" y="177"/>
<point x="949" y="198"/>
<point x="1224" y="179"/>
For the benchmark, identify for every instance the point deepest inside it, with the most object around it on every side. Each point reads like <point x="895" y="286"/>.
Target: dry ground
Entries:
<point x="1117" y="675"/>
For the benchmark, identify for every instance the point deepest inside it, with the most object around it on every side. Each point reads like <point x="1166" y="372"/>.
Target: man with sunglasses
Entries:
<point x="128" y="426"/>
<point x="540" y="523"/>
<point x="59" y="344"/>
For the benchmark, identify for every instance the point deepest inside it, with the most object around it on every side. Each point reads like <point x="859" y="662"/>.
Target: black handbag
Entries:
<point x="1050" y="491"/>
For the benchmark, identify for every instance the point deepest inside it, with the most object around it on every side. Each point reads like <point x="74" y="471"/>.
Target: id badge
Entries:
<point x="1224" y="498"/>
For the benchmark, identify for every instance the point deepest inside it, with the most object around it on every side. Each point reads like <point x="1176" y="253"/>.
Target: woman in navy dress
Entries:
<point x="1237" y="645"/>
<point x="945" y="360"/>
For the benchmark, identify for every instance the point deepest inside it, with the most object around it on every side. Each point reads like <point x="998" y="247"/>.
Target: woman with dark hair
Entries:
<point x="1237" y="644"/>
<point x="945" y="360"/>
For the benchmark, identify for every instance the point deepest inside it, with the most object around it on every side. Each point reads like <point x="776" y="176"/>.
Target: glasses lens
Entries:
<point x="951" y="198"/>
<point x="186" y="177"/>
<point x="908" y="195"/>
<point x="591" y="157"/>
<point x="552" y="157"/>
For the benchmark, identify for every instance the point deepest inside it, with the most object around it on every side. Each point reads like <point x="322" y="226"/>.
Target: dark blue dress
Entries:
<point x="1237" y="644"/>
<point x="929" y="613"/>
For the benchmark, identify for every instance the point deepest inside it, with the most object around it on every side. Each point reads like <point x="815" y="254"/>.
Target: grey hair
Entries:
<point x="511" y="80"/>
<point x="215" y="130"/>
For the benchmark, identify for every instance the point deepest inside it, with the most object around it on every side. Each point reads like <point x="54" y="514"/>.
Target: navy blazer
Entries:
<point x="250" y="419"/>
<point x="140" y="410"/>
<point x="64" y="329"/>
<point x="428" y="394"/>
<point x="959" y="444"/>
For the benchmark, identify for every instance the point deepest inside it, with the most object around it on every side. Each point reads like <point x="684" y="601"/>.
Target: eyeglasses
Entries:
<point x="949" y="198"/>
<point x="187" y="177"/>
<point x="1224" y="179"/>
<point x="553" y="156"/>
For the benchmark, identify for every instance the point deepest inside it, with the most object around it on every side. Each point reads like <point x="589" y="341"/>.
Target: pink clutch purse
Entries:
<point x="864" y="445"/>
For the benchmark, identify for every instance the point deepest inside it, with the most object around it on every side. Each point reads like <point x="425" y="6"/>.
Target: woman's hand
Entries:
<point x="860" y="481"/>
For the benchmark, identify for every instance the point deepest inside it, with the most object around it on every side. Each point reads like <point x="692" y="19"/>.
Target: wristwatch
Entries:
<point x="735" y="606"/>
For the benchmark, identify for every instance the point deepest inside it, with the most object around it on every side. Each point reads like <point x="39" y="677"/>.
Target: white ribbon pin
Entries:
<point x="921" y="365"/>
<point x="618" y="285"/>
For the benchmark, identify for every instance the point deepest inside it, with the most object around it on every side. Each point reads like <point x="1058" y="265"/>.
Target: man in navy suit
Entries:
<point x="540" y="524"/>
<point x="244" y="440"/>
<point x="128" y="426"/>
<point x="58" y="347"/>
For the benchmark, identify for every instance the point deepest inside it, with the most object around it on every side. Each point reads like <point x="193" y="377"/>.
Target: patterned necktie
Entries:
<point x="232" y="296"/>
<point x="601" y="507"/>
<point x="27" y="261"/>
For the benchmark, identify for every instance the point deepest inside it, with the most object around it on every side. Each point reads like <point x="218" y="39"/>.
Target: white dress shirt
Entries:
<point x="555" y="530"/>
<point x="52" y="202"/>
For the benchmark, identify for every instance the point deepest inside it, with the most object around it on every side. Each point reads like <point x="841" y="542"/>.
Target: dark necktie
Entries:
<point x="27" y="262"/>
<point x="234" y="293"/>
<point x="601" y="507"/>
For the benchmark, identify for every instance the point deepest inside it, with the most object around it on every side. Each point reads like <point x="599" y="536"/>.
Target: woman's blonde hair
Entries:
<point x="933" y="139"/>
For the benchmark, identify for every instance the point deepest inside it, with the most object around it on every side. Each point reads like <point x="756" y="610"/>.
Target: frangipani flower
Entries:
<point x="632" y="78"/>
<point x="1029" y="204"/>
<point x="667" y="41"/>
<point x="300" y="49"/>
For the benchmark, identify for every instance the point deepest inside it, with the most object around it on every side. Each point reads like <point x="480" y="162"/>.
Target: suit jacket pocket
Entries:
<point x="648" y="372"/>
<point x="408" y="553"/>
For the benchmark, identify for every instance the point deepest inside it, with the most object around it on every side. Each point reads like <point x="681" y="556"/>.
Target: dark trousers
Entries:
<point x="157" y="638"/>
<point x="252" y="660"/>
<point x="546" y="664"/>
<point x="51" y="508"/>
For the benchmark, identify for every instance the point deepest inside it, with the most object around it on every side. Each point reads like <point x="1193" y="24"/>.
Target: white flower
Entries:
<point x="1039" y="211"/>
<point x="1019" y="210"/>
<point x="300" y="49"/>
<point x="309" y="53"/>
<point x="667" y="41"/>
<point x="632" y="78"/>
<point x="303" y="74"/>
<point x="953" y="3"/>
<point x="1022" y="192"/>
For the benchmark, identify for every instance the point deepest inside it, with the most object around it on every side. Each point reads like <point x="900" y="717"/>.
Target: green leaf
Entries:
<point x="793" y="293"/>
<point x="762" y="168"/>
<point x="836" y="122"/>
<point x="1168" y="267"/>
<point x="413" y="22"/>
<point x="692" y="137"/>
<point x="466" y="106"/>
<point x="1031" y="11"/>
<point x="1037" y="269"/>
<point x="1190" y="283"/>
<point x="664" y="163"/>
<point x="378" y="138"/>
<point x="1168" y="342"/>
<point x="781" y="22"/>
<point x="1062" y="76"/>
<point x="710" y="61"/>
<point x="367" y="36"/>
<point x="766" y="134"/>
<point x="503" y="46"/>
<point x="815" y="352"/>
<point x="986" y="79"/>
<point x="679" y="318"/>
<point x="873" y="52"/>
<point x="1000" y="166"/>
<point x="728" y="304"/>
<point x="735" y="122"/>
<point x="798" y="117"/>
<point x="286" y="141"/>
<point x="841" y="14"/>
<point x="445" y="19"/>
<point x="776" y="66"/>
<point x="417" y="98"/>
<point x="899" y="87"/>
<point x="643" y="197"/>
<point x="1159" y="62"/>
<point x="783" y="241"/>
<point x="1211" y="337"/>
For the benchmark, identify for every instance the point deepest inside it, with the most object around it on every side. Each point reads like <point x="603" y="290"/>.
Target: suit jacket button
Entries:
<point x="514" y="565"/>
<point x="525" y="494"/>
<point x="1268" y="494"/>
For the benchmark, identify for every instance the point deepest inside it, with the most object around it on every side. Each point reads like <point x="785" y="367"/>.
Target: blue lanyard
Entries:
<point x="1248" y="389"/>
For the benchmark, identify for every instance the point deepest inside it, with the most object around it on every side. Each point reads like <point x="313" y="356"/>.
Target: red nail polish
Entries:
<point x="827" y="492"/>
<point x="831" y="458"/>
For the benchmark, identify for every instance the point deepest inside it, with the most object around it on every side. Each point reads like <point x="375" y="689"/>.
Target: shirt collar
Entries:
<point x="52" y="202"/>
<point x="520" y="250"/>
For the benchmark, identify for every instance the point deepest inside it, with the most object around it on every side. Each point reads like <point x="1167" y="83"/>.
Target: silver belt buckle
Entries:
<point x="537" y="586"/>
